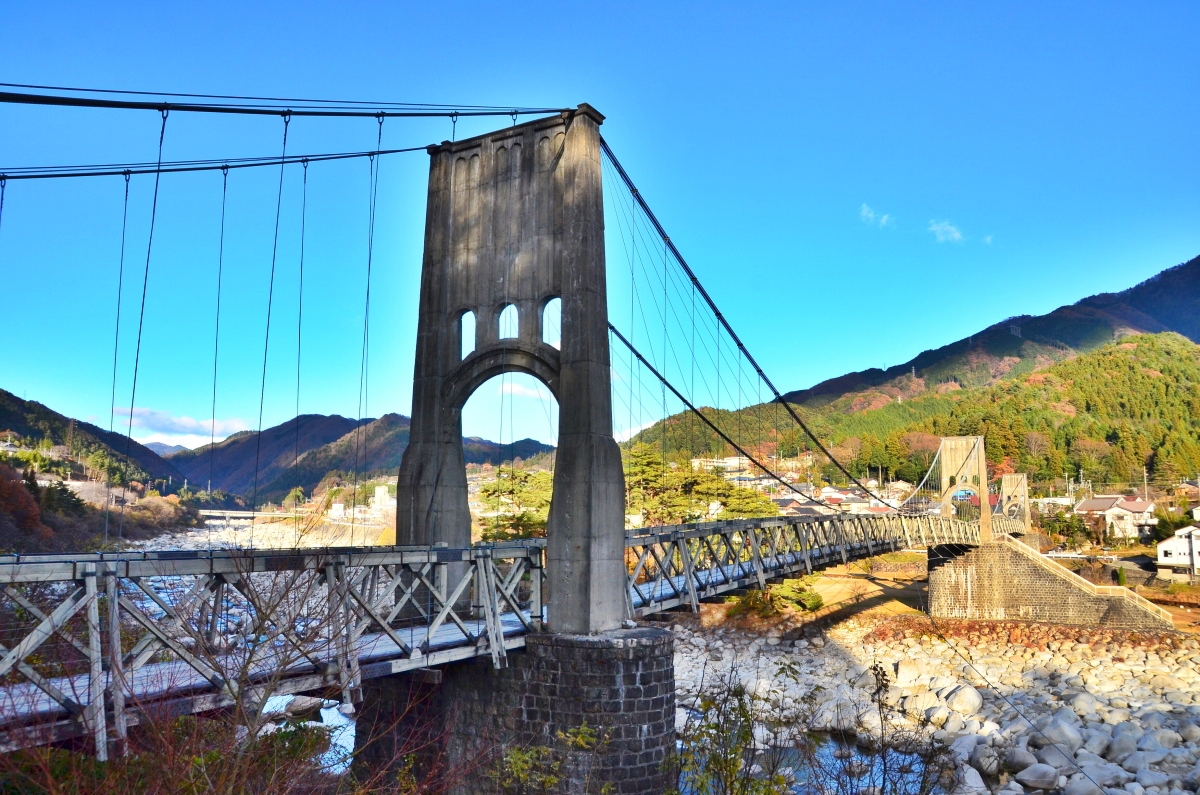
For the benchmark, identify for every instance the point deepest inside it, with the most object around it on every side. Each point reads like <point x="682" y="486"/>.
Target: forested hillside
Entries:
<point x="231" y="463"/>
<point x="374" y="449"/>
<point x="101" y="450"/>
<point x="1128" y="404"/>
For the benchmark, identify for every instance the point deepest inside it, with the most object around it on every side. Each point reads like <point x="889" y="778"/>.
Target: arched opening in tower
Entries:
<point x="510" y="434"/>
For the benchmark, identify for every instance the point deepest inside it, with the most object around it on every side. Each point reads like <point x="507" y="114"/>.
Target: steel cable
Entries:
<point x="112" y="411"/>
<point x="212" y="436"/>
<point x="267" y="336"/>
<point x="137" y="357"/>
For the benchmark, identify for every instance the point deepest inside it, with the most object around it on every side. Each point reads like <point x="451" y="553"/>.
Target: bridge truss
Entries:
<point x="99" y="642"/>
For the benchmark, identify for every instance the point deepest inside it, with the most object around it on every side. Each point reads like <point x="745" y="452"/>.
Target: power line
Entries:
<point x="121" y="169"/>
<point x="257" y="106"/>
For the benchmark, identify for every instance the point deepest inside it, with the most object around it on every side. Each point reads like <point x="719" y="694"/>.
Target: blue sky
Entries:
<point x="854" y="182"/>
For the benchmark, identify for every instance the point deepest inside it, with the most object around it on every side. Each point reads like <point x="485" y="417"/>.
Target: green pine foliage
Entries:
<point x="519" y="501"/>
<point x="670" y="492"/>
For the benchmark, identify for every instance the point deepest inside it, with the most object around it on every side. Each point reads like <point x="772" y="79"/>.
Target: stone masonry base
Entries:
<point x="620" y="683"/>
<point x="1000" y="581"/>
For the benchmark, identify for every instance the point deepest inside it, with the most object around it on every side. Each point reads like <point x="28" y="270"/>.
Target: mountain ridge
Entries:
<point x="1023" y="344"/>
<point x="377" y="449"/>
<point x="38" y="422"/>
<point x="238" y="461"/>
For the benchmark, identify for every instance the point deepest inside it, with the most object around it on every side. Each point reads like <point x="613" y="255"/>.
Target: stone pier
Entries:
<point x="620" y="683"/>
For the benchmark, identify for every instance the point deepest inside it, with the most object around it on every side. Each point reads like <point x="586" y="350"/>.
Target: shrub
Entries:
<point x="777" y="599"/>
<point x="799" y="593"/>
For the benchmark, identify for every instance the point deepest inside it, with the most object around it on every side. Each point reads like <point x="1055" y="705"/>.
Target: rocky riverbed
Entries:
<point x="1022" y="707"/>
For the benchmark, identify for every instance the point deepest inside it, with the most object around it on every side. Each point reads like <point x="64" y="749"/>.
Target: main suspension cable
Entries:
<point x="365" y="102"/>
<point x="178" y="166"/>
<point x="740" y="450"/>
<point x="257" y="106"/>
<point x="725" y="323"/>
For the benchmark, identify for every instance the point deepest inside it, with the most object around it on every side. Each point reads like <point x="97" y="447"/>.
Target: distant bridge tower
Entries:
<point x="964" y="466"/>
<point x="1014" y="499"/>
<point x="515" y="218"/>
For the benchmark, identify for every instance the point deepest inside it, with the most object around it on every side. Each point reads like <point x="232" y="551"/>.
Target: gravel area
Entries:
<point x="1023" y="707"/>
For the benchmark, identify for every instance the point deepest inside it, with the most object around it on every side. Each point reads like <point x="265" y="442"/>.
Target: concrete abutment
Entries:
<point x="1006" y="580"/>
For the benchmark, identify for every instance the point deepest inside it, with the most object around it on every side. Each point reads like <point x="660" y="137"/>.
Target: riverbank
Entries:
<point x="265" y="534"/>
<point x="1023" y="706"/>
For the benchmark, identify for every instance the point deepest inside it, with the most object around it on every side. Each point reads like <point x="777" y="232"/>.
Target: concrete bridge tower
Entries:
<point x="1014" y="499"/>
<point x="515" y="219"/>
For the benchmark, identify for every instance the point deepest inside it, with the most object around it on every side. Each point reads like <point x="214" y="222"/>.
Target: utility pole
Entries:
<point x="1146" y="487"/>
<point x="1191" y="556"/>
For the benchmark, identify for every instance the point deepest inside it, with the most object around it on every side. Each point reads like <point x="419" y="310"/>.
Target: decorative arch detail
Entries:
<point x="541" y="362"/>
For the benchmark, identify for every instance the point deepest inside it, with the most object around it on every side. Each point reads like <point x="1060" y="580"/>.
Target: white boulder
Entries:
<point x="1038" y="776"/>
<point x="965" y="700"/>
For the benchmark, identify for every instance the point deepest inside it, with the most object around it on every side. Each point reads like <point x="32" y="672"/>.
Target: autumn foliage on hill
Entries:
<point x="19" y="511"/>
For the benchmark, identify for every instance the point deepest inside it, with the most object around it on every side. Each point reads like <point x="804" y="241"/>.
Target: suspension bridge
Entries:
<point x="541" y="257"/>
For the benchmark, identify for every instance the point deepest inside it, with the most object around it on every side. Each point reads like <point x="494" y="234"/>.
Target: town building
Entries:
<point x="382" y="502"/>
<point x="1125" y="519"/>
<point x="1179" y="555"/>
<point x="1051" y="505"/>
<point x="799" y="463"/>
<point x="728" y="465"/>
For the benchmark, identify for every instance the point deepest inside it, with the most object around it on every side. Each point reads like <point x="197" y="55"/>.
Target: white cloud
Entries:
<point x="987" y="240"/>
<point x="153" y="421"/>
<point x="868" y="217"/>
<point x="519" y="390"/>
<point x="945" y="232"/>
<point x="629" y="433"/>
